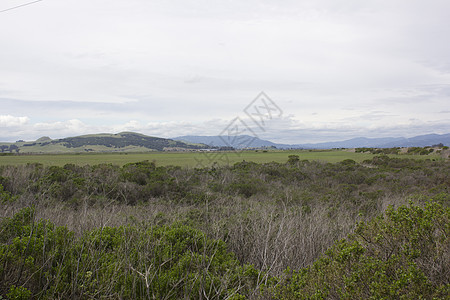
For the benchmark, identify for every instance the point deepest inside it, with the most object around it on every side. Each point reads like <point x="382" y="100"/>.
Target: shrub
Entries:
<point x="166" y="262"/>
<point x="403" y="254"/>
<point x="293" y="159"/>
<point x="6" y="196"/>
<point x="246" y="187"/>
<point x="18" y="293"/>
<point x="138" y="172"/>
<point x="33" y="254"/>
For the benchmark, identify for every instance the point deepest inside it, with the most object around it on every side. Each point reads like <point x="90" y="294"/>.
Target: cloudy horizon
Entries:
<point x="337" y="69"/>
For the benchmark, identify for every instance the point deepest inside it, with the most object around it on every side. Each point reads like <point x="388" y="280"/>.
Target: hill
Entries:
<point x="105" y="142"/>
<point x="135" y="142"/>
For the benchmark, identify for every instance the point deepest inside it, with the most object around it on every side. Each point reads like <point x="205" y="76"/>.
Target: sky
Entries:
<point x="336" y="69"/>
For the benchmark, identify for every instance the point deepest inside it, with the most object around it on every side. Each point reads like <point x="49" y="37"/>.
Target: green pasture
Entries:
<point x="190" y="159"/>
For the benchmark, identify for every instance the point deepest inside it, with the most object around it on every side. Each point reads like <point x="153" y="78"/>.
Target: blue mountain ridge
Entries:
<point x="246" y="141"/>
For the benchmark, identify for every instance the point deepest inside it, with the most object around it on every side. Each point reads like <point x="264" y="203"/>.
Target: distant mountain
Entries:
<point x="245" y="141"/>
<point x="352" y="143"/>
<point x="135" y="142"/>
<point x="120" y="142"/>
<point x="389" y="142"/>
<point x="239" y="142"/>
<point x="421" y="141"/>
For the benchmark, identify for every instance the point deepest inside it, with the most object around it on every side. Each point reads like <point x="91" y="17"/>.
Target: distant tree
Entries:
<point x="293" y="159"/>
<point x="226" y="148"/>
<point x="423" y="152"/>
<point x="13" y="148"/>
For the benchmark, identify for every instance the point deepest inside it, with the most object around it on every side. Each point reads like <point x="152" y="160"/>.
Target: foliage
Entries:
<point x="144" y="230"/>
<point x="5" y="196"/>
<point x="18" y="293"/>
<point x="403" y="254"/>
<point x="168" y="262"/>
<point x="394" y="150"/>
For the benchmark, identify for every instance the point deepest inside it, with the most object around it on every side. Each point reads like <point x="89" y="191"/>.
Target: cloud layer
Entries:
<point x="336" y="68"/>
<point x="282" y="130"/>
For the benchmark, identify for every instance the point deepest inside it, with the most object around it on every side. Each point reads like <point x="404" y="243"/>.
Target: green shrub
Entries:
<point x="293" y="159"/>
<point x="5" y="196"/>
<point x="18" y="293"/>
<point x="402" y="255"/>
<point x="138" y="172"/>
<point x="170" y="262"/>
<point x="246" y="187"/>
<point x="33" y="253"/>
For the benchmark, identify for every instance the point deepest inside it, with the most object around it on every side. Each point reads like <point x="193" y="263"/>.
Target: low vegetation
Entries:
<point x="200" y="159"/>
<point x="293" y="230"/>
<point x="439" y="149"/>
<point x="402" y="254"/>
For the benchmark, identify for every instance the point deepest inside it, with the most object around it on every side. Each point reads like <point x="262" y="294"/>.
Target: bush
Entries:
<point x="246" y="187"/>
<point x="6" y="196"/>
<point x="270" y="215"/>
<point x="170" y="262"/>
<point x="18" y="293"/>
<point x="403" y="254"/>
<point x="293" y="159"/>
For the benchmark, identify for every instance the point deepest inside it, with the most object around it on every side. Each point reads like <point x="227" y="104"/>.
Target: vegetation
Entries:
<point x="130" y="262"/>
<point x="403" y="254"/>
<point x="438" y="148"/>
<point x="395" y="150"/>
<point x="193" y="159"/>
<point x="291" y="230"/>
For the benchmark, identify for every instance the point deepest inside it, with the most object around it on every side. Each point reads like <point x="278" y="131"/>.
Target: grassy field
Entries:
<point x="189" y="159"/>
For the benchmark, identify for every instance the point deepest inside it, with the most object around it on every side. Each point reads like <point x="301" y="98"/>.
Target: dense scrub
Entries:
<point x="254" y="230"/>
<point x="403" y="254"/>
<point x="132" y="262"/>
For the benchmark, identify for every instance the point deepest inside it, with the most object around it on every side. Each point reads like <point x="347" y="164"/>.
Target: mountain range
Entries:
<point x="136" y="142"/>
<point x="246" y="141"/>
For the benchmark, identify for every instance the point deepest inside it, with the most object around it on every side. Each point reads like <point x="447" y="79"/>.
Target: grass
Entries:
<point x="191" y="159"/>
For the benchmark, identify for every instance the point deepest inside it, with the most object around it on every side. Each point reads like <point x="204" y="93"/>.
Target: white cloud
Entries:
<point x="66" y="126"/>
<point x="171" y="65"/>
<point x="286" y="129"/>
<point x="12" y="121"/>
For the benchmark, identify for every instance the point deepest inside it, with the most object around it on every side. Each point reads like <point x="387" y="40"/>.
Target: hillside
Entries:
<point x="120" y="142"/>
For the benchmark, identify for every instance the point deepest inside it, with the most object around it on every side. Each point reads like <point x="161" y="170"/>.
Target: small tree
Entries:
<point x="293" y="159"/>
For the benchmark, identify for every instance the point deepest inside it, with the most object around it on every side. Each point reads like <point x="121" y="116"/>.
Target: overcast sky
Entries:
<point x="336" y="69"/>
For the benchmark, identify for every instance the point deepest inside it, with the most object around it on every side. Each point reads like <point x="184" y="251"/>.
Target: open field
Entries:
<point x="191" y="159"/>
